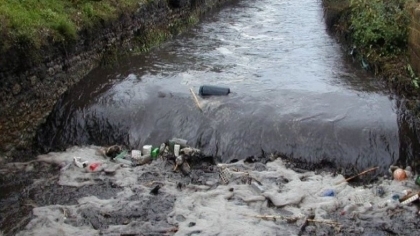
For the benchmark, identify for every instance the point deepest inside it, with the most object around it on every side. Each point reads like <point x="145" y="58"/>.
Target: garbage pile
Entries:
<point x="164" y="191"/>
<point x="175" y="150"/>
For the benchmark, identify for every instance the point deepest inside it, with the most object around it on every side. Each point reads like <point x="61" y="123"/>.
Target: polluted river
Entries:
<point x="269" y="158"/>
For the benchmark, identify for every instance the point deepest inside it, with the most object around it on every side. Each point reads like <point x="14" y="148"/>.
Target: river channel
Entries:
<point x="295" y="91"/>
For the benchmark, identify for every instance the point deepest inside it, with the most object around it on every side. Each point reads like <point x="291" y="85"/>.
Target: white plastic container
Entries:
<point x="147" y="149"/>
<point x="176" y="149"/>
<point x="136" y="154"/>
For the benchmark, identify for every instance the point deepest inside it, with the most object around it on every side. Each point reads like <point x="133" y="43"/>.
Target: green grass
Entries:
<point x="35" y="21"/>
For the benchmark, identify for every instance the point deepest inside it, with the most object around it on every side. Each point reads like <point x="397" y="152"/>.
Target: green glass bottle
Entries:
<point x="155" y="153"/>
<point x="418" y="180"/>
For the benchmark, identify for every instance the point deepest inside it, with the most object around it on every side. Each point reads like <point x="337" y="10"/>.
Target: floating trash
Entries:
<point x="147" y="150"/>
<point x="79" y="163"/>
<point x="411" y="199"/>
<point x="328" y="193"/>
<point x="208" y="90"/>
<point x="176" y="149"/>
<point x="95" y="166"/>
<point x="225" y="175"/>
<point x="361" y="197"/>
<point x="136" y="154"/>
<point x="379" y="191"/>
<point x="400" y="175"/>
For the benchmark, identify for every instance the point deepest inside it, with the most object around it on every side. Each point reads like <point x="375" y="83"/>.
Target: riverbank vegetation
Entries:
<point x="377" y="33"/>
<point x="28" y="25"/>
<point x="38" y="22"/>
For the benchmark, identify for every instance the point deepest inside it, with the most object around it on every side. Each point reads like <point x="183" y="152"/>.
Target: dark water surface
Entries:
<point x="294" y="91"/>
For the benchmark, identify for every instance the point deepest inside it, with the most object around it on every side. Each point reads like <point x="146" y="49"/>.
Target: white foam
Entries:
<point x="230" y="209"/>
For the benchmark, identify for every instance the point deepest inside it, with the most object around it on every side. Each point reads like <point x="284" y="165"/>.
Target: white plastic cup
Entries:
<point x="147" y="149"/>
<point x="176" y="149"/>
<point x="136" y="154"/>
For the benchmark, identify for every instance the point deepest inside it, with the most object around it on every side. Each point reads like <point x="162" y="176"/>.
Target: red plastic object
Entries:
<point x="94" y="166"/>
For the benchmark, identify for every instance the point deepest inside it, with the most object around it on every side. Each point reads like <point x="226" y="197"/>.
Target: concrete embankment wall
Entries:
<point x="31" y="80"/>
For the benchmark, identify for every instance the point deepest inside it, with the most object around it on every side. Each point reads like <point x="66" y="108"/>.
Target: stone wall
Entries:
<point x="31" y="81"/>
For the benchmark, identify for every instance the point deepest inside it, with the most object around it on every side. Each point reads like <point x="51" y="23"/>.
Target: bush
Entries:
<point x="379" y="26"/>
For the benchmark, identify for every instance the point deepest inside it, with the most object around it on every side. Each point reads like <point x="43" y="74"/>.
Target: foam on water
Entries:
<point x="200" y="204"/>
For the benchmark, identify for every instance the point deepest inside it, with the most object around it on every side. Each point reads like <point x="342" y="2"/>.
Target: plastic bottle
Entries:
<point x="181" y="142"/>
<point x="120" y="158"/>
<point x="123" y="161"/>
<point x="176" y="149"/>
<point x="162" y="148"/>
<point x="121" y="155"/>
